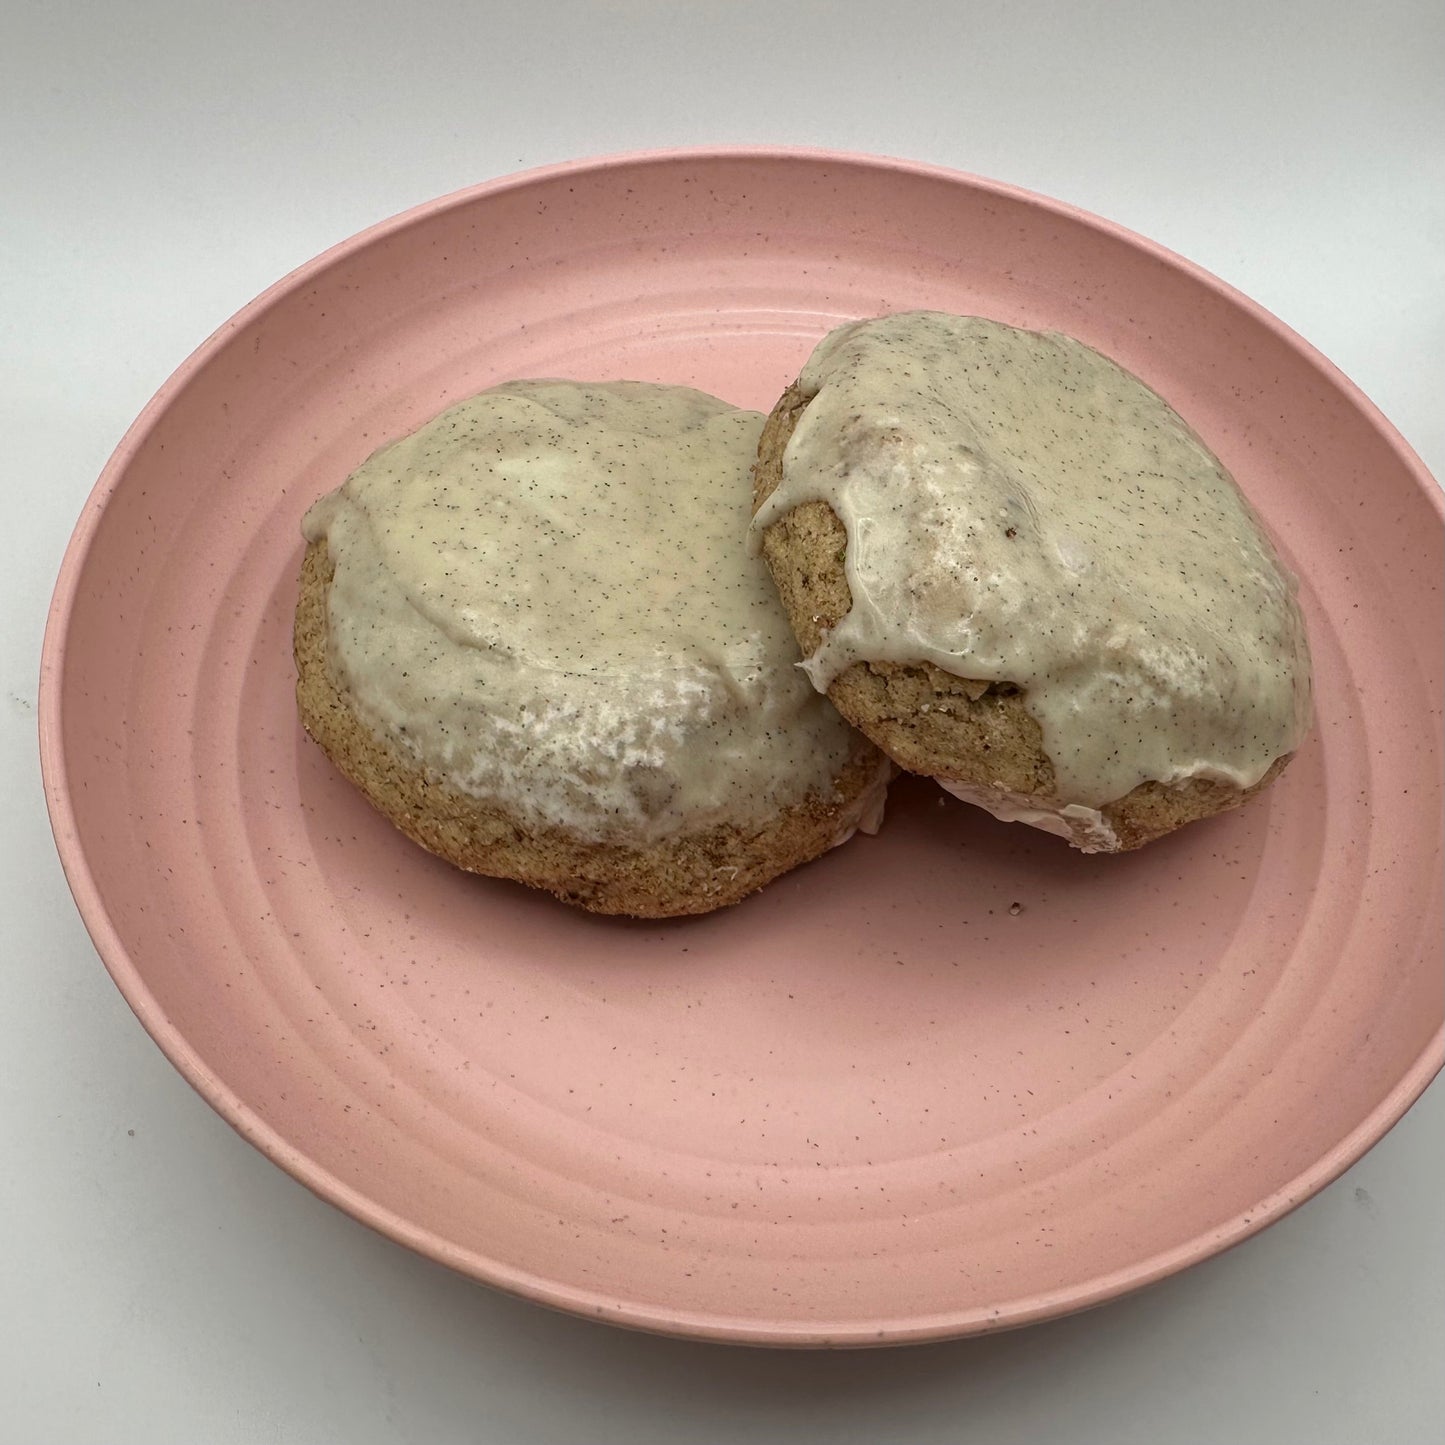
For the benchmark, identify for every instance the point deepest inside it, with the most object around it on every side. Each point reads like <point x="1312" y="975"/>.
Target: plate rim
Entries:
<point x="520" y="1283"/>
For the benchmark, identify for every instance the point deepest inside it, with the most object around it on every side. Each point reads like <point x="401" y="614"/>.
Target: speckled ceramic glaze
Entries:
<point x="950" y="1079"/>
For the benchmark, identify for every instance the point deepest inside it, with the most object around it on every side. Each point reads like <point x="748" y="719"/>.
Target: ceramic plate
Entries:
<point x="950" y="1079"/>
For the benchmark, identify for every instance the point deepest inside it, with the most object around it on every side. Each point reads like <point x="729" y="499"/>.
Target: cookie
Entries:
<point x="1017" y="570"/>
<point x="531" y="634"/>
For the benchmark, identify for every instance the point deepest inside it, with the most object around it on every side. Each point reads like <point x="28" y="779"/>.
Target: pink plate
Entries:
<point x="946" y="1080"/>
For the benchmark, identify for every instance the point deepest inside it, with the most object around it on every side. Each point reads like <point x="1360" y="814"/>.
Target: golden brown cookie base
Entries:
<point x="927" y="720"/>
<point x="695" y="873"/>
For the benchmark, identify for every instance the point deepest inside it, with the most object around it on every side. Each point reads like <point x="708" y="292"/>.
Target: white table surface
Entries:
<point x="164" y="162"/>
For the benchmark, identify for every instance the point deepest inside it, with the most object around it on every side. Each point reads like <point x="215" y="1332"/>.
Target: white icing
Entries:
<point x="866" y="816"/>
<point x="1086" y="828"/>
<point x="1020" y="509"/>
<point x="544" y="595"/>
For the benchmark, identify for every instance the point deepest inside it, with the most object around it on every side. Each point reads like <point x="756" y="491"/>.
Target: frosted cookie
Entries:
<point x="1018" y="571"/>
<point x="532" y="635"/>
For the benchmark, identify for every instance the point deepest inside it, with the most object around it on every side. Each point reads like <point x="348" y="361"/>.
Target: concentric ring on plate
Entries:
<point x="877" y="1102"/>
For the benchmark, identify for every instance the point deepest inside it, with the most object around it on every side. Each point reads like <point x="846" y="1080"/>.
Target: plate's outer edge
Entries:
<point x="542" y="1291"/>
